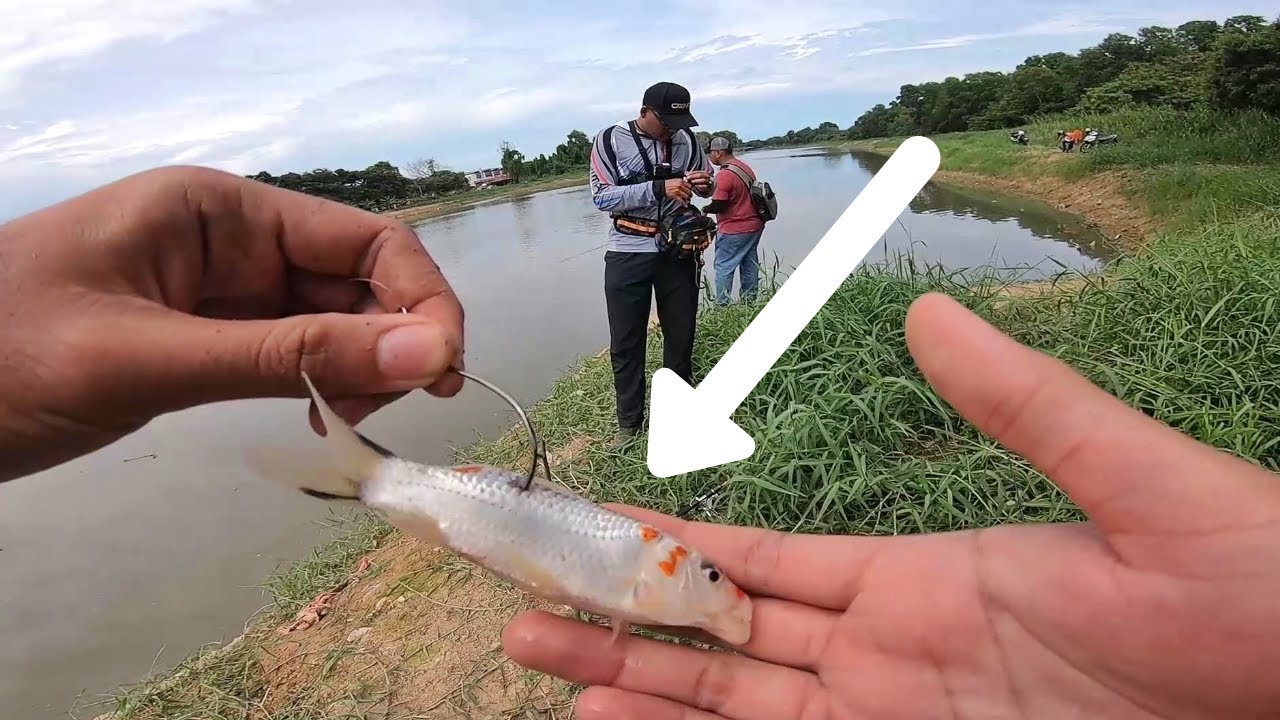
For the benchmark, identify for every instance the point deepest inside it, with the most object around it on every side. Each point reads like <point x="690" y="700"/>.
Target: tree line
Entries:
<point x="1233" y="65"/>
<point x="383" y="186"/>
<point x="379" y="187"/>
<point x="572" y="156"/>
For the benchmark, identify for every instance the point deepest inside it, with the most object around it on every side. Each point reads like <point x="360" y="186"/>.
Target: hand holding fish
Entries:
<point x="1163" y="605"/>
<point x="182" y="286"/>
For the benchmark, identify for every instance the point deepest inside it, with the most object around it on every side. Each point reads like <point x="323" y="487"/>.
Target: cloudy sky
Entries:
<point x="92" y="90"/>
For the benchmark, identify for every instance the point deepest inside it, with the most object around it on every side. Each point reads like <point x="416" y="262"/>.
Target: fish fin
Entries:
<point x="645" y="595"/>
<point x="337" y="471"/>
<point x="296" y="468"/>
<point x="358" y="448"/>
<point x="424" y="529"/>
<point x="553" y="485"/>
<point x="620" y="628"/>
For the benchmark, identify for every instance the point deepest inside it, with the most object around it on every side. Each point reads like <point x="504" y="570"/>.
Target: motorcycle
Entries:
<point x="1020" y="137"/>
<point x="1093" y="139"/>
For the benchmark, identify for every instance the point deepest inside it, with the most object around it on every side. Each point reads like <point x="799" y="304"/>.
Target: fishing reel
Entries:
<point x="664" y="171"/>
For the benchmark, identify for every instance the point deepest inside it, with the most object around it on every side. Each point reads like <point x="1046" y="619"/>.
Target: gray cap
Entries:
<point x="718" y="143"/>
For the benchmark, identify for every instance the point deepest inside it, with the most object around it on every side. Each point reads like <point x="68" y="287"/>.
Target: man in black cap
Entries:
<point x="643" y="172"/>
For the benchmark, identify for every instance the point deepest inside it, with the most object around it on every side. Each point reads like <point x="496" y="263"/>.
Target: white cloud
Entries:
<point x="951" y="42"/>
<point x="1061" y="25"/>
<point x="252" y="160"/>
<point x="36" y="33"/>
<point x="102" y="140"/>
<point x="799" y="52"/>
<point x="711" y="48"/>
<point x="746" y="90"/>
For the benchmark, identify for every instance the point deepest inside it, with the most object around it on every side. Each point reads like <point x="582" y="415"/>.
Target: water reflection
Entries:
<point x="523" y="209"/>
<point x="1037" y="218"/>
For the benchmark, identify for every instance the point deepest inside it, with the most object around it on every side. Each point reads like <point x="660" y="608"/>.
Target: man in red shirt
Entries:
<point x="739" y="225"/>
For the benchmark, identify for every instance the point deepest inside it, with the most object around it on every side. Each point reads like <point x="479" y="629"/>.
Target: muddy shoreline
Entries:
<point x="418" y="213"/>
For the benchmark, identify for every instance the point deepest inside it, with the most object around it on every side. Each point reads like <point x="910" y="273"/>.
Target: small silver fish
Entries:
<point x="547" y="540"/>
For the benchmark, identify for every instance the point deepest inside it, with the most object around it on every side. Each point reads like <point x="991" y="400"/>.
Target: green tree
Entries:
<point x="1199" y="35"/>
<point x="1246" y="73"/>
<point x="1160" y="43"/>
<point x="1244" y="23"/>
<point x="512" y="161"/>
<point x="1031" y="91"/>
<point x="1179" y="82"/>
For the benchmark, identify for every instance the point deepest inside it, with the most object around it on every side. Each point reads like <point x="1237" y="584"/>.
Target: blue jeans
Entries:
<point x="737" y="252"/>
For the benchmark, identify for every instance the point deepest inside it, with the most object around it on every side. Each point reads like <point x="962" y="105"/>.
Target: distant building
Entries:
<point x="488" y="177"/>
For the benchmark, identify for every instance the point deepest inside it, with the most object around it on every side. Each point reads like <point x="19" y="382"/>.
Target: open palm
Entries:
<point x="1163" y="605"/>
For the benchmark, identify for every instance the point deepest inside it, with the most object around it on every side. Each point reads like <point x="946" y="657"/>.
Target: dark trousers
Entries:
<point x="630" y="282"/>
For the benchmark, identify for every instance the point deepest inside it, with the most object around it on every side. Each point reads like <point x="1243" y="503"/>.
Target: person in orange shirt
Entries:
<point x="1072" y="139"/>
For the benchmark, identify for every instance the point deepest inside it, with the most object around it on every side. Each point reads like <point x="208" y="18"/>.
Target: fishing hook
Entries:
<point x="536" y="443"/>
<point x="539" y="448"/>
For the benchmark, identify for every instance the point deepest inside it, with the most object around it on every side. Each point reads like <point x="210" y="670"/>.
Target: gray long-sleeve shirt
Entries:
<point x="610" y="193"/>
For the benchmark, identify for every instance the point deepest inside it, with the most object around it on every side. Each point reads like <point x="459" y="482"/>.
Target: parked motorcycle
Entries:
<point x="1093" y="139"/>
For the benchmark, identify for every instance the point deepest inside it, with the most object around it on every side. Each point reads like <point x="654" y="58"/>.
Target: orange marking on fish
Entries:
<point x="648" y="534"/>
<point x="668" y="566"/>
<point x="468" y="469"/>
<point x="741" y="595"/>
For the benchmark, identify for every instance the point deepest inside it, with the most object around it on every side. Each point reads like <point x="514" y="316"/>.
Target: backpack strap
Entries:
<point x="742" y="174"/>
<point x="644" y="155"/>
<point x="694" y="149"/>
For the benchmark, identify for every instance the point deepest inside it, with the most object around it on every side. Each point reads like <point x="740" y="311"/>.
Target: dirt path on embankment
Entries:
<point x="1100" y="199"/>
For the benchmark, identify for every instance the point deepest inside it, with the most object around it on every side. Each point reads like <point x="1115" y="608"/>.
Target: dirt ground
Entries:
<point x="418" y="636"/>
<point x="415" y="633"/>
<point x="1100" y="199"/>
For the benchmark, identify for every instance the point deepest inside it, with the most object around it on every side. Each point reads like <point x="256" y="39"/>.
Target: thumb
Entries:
<point x="196" y="360"/>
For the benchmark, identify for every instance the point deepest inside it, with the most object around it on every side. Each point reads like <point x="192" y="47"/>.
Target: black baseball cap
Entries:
<point x="671" y="102"/>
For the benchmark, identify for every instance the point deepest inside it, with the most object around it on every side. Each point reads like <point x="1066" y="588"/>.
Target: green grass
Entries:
<point x="327" y="564"/>
<point x="1160" y="137"/>
<point x="1191" y="167"/>
<point x="850" y="438"/>
<point x="226" y="682"/>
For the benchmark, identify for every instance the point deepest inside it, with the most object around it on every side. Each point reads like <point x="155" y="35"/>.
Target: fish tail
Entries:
<point x="349" y="458"/>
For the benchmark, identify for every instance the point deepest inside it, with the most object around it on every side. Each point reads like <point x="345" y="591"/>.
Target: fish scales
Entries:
<point x="542" y="539"/>
<point x="545" y="539"/>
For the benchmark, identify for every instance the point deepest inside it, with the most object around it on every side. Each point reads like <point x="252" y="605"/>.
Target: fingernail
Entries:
<point x="412" y="353"/>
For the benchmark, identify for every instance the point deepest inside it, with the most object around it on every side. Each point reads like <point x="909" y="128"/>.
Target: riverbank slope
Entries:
<point x="850" y="438"/>
<point x="457" y="203"/>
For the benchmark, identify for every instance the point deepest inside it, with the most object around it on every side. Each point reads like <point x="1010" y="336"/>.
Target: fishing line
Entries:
<point x="535" y="441"/>
<point x="584" y="252"/>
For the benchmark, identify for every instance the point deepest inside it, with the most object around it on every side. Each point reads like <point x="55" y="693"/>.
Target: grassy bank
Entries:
<point x="456" y="203"/>
<point x="850" y="438"/>
<point x="1180" y="168"/>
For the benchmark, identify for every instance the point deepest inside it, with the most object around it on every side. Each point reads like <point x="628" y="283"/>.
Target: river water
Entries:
<point x="139" y="553"/>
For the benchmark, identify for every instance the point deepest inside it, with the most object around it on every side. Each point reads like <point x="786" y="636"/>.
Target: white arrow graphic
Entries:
<point x="677" y="408"/>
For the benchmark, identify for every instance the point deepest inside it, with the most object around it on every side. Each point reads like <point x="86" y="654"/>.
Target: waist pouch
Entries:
<point x="635" y="226"/>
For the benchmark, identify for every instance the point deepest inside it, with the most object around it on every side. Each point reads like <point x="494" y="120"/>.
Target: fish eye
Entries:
<point x="712" y="573"/>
